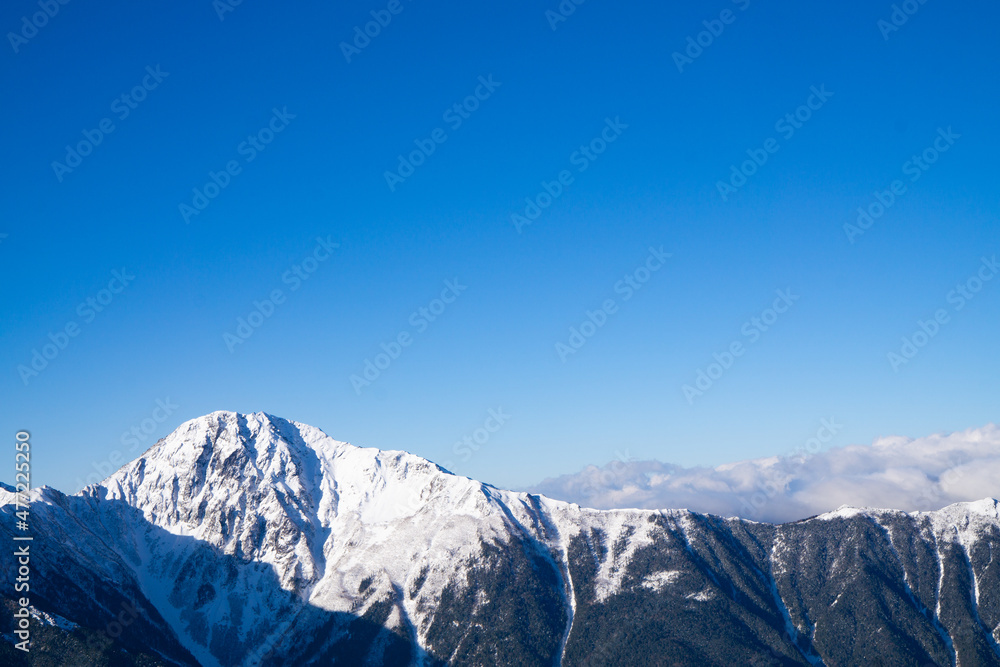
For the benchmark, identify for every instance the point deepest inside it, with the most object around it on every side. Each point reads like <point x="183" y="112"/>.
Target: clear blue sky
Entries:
<point x="494" y="346"/>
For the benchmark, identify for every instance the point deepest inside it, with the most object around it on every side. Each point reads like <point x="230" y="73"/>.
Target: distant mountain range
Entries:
<point x="253" y="540"/>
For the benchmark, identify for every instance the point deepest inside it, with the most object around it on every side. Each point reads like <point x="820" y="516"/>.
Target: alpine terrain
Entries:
<point x="253" y="540"/>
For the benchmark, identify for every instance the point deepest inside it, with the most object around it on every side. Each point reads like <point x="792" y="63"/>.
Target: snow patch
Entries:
<point x="52" y="619"/>
<point x="701" y="596"/>
<point x="657" y="581"/>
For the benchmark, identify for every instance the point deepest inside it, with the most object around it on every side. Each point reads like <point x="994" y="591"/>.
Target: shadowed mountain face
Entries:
<point x="252" y="540"/>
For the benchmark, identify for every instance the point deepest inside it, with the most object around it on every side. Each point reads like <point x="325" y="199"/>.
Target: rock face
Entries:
<point x="249" y="539"/>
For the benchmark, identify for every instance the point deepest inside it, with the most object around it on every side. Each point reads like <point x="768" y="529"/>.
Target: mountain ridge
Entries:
<point x="235" y="526"/>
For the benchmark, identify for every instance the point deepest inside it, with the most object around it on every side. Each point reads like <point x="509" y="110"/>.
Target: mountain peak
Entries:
<point x="245" y="483"/>
<point x="262" y="485"/>
<point x="253" y="446"/>
<point x="989" y="507"/>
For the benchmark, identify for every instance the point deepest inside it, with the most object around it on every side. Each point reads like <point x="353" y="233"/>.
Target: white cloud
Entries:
<point x="894" y="472"/>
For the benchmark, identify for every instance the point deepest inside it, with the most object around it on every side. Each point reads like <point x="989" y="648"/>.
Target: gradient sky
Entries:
<point x="494" y="347"/>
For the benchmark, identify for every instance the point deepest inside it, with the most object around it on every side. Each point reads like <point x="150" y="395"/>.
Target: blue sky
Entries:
<point x="328" y="130"/>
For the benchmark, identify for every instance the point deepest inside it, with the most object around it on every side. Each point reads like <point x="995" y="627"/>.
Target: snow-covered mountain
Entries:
<point x="249" y="539"/>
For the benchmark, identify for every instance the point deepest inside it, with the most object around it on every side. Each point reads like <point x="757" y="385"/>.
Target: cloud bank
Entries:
<point x="894" y="472"/>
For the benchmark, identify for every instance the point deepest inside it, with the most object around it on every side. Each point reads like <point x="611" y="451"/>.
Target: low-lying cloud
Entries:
<point x="894" y="472"/>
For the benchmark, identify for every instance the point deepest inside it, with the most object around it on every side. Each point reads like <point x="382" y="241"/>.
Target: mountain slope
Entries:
<point x="248" y="539"/>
